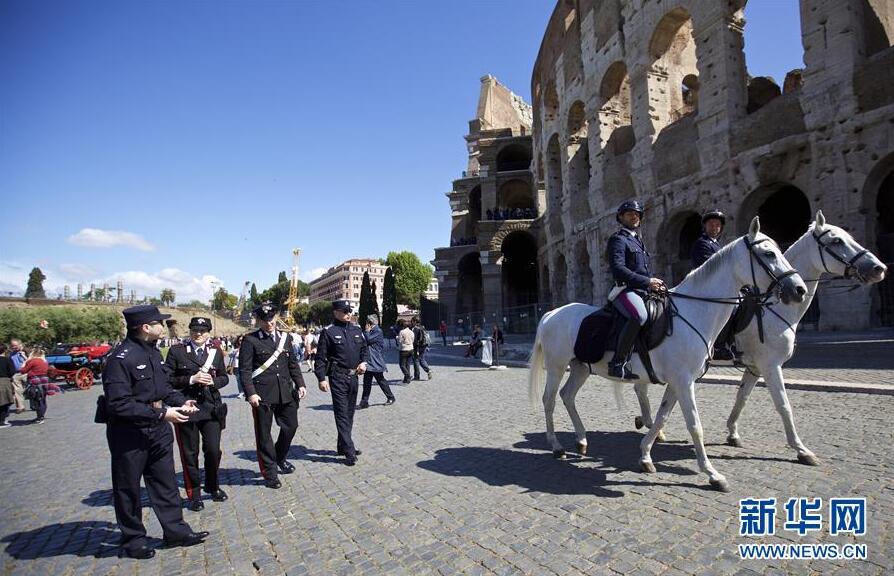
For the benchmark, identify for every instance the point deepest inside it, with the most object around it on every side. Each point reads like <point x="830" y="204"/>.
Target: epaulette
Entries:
<point x="121" y="352"/>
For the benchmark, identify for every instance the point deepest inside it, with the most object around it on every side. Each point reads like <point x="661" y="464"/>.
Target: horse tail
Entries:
<point x="535" y="370"/>
<point x="617" y="389"/>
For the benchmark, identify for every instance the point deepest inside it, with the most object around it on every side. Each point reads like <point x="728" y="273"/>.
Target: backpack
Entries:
<point x="424" y="338"/>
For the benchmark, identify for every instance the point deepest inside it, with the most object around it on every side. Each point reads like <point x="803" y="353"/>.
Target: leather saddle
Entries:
<point x="598" y="332"/>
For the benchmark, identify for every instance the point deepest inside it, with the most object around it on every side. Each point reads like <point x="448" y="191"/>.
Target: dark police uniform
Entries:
<point x="279" y="397"/>
<point x="342" y="348"/>
<point x="702" y="249"/>
<point x="137" y="389"/>
<point x="629" y="260"/>
<point x="184" y="361"/>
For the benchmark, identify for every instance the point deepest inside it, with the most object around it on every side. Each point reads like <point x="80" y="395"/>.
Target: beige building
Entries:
<point x="343" y="282"/>
<point x="655" y="100"/>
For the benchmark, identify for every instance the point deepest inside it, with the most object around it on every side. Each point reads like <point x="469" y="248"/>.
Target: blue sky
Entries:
<point x="175" y="144"/>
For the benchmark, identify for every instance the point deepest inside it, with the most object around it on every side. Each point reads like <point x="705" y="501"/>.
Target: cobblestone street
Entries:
<point x="457" y="477"/>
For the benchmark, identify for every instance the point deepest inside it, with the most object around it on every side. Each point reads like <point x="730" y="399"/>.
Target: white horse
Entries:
<point x="823" y="249"/>
<point x="680" y="359"/>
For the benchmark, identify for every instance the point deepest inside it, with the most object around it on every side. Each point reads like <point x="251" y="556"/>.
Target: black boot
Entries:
<point x="617" y="368"/>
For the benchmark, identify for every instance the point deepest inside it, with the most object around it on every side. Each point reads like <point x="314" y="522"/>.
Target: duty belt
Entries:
<point x="336" y="369"/>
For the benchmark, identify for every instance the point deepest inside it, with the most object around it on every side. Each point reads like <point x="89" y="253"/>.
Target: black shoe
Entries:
<point x="621" y="371"/>
<point x="350" y="461"/>
<point x="273" y="483"/>
<point x="406" y="381"/>
<point x="723" y="353"/>
<point x="138" y="553"/>
<point x="363" y="406"/>
<point x="218" y="495"/>
<point x="196" y="505"/>
<point x="429" y="374"/>
<point x="389" y="402"/>
<point x="356" y="453"/>
<point x="190" y="539"/>
<point x="417" y="378"/>
<point x="285" y="467"/>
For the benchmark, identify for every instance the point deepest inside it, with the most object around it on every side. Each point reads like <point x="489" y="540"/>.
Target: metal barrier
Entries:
<point x="513" y="320"/>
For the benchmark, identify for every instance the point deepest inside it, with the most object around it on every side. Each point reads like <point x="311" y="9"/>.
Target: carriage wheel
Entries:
<point x="84" y="378"/>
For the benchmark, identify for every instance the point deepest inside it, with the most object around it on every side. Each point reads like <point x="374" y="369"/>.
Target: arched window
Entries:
<point x="615" y="113"/>
<point x="578" y="151"/>
<point x="513" y="157"/>
<point x="672" y="49"/>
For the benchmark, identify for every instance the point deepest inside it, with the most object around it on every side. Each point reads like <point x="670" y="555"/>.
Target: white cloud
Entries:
<point x="96" y="238"/>
<point x="313" y="274"/>
<point x="78" y="271"/>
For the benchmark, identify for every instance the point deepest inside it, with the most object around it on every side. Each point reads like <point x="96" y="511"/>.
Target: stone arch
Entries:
<point x="784" y="211"/>
<point x="578" y="152"/>
<point x="676" y="237"/>
<point x="878" y="26"/>
<point x="519" y="269"/>
<point x="554" y="187"/>
<point x="474" y="212"/>
<point x="513" y="157"/>
<point x="622" y="189"/>
<point x="469" y="297"/>
<point x="516" y="193"/>
<point x="672" y="51"/>
<point x="878" y="199"/>
<point x="584" y="282"/>
<point x="550" y="102"/>
<point x="616" y="111"/>
<point x="509" y="228"/>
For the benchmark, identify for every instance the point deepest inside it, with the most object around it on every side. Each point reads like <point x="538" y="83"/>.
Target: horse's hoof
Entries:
<point x="559" y="454"/>
<point x="730" y="441"/>
<point x="720" y="485"/>
<point x="638" y="422"/>
<point x="582" y="448"/>
<point x="647" y="467"/>
<point x="661" y="437"/>
<point x="808" y="459"/>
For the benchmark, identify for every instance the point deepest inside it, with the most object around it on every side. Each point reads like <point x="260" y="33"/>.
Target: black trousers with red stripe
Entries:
<point x="188" y="436"/>
<point x="269" y="454"/>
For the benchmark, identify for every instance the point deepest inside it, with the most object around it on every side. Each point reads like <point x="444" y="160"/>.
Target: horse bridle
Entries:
<point x="850" y="269"/>
<point x="776" y="280"/>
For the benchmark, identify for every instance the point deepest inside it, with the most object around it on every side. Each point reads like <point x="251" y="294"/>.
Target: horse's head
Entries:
<point x="838" y="253"/>
<point x="769" y="271"/>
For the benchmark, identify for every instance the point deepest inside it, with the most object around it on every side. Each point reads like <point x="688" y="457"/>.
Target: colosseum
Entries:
<point x="651" y="99"/>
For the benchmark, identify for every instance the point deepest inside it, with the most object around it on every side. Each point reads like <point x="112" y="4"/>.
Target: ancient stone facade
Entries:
<point x="652" y="100"/>
<point x="491" y="264"/>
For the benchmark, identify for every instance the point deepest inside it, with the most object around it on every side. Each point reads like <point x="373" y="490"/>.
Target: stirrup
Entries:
<point x="621" y="372"/>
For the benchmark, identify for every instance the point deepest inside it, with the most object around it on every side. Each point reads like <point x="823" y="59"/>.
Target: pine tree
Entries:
<point x="365" y="308"/>
<point x="282" y="277"/>
<point x="375" y="301"/>
<point x="253" y="296"/>
<point x="35" y="284"/>
<point x="389" y="300"/>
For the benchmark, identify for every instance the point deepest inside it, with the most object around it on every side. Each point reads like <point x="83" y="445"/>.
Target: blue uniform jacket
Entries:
<point x="702" y="249"/>
<point x="375" y="341"/>
<point x="628" y="260"/>
<point x="135" y="376"/>
<point x="341" y="344"/>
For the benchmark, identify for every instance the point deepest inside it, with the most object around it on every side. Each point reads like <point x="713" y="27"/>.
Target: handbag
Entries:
<point x="33" y="392"/>
<point x="102" y="411"/>
<point x="219" y="413"/>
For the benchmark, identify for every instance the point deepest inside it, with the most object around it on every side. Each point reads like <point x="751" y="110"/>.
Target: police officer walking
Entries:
<point x="198" y="370"/>
<point x="138" y="404"/>
<point x="341" y="356"/>
<point x="271" y="377"/>
<point x="629" y="263"/>
<point x="708" y="243"/>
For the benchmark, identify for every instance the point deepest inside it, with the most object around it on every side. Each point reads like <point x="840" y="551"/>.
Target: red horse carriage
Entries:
<point x="78" y="364"/>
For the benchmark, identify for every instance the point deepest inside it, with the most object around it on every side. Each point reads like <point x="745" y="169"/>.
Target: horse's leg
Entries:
<point x="749" y="379"/>
<point x="645" y="409"/>
<point x="667" y="404"/>
<point x="693" y="423"/>
<point x="776" y="385"/>
<point x="553" y="379"/>
<point x="579" y="374"/>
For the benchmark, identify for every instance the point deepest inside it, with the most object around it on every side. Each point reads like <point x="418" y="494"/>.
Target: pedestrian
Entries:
<point x="274" y="387"/>
<point x="234" y="366"/>
<point x="421" y="342"/>
<point x="18" y="358"/>
<point x="35" y="370"/>
<point x="7" y="392"/>
<point x="137" y="405"/>
<point x="342" y="356"/>
<point x="310" y="348"/>
<point x="375" y="367"/>
<point x="497" y="338"/>
<point x="197" y="370"/>
<point x="474" y="342"/>
<point x="443" y="330"/>
<point x="405" y="339"/>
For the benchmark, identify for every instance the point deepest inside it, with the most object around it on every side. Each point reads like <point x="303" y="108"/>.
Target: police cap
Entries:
<point x="717" y="214"/>
<point x="265" y="311"/>
<point x="199" y="323"/>
<point x="343" y="306"/>
<point x="143" y="314"/>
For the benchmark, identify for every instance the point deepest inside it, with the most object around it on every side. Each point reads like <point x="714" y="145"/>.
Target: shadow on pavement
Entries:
<point x="87" y="538"/>
<point x="100" y="498"/>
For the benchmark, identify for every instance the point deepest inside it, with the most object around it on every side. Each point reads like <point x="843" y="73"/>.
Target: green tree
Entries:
<point x="321" y="313"/>
<point x="411" y="277"/>
<point x="167" y="296"/>
<point x="365" y="305"/>
<point x="282" y="277"/>
<point x="389" y="300"/>
<point x="195" y="304"/>
<point x="301" y="314"/>
<point x="375" y="301"/>
<point x="252" y="297"/>
<point x="35" y="284"/>
<point x="64" y="324"/>
<point x="303" y="288"/>
<point x="276" y="294"/>
<point x="223" y="300"/>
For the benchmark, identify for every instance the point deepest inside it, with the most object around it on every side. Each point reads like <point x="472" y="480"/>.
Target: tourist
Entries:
<point x="375" y="366"/>
<point x="405" y="340"/>
<point x="7" y="392"/>
<point x="35" y="370"/>
<point x="421" y="342"/>
<point x="18" y="358"/>
<point x="443" y="330"/>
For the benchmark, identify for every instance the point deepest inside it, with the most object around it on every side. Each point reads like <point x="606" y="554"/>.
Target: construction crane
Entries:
<point x="292" y="300"/>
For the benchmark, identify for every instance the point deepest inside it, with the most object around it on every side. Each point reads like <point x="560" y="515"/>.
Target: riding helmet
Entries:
<point x="715" y="214"/>
<point x="630" y="206"/>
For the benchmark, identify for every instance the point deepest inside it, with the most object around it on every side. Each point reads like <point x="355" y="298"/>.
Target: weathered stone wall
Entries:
<point x="669" y="118"/>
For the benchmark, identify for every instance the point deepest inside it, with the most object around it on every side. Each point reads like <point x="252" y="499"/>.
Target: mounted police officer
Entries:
<point x="341" y="357"/>
<point x="271" y="376"/>
<point x="137" y="405"/>
<point x="708" y="243"/>
<point x="198" y="370"/>
<point x="629" y="263"/>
